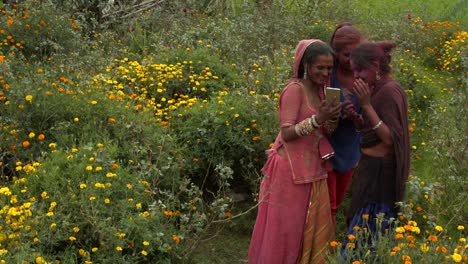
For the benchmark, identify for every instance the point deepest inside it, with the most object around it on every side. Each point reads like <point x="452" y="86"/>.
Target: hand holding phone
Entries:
<point x="332" y="95"/>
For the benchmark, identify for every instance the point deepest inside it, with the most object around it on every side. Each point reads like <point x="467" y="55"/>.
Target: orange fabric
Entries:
<point x="319" y="230"/>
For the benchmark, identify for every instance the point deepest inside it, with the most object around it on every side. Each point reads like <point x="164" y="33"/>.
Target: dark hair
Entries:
<point x="312" y="52"/>
<point x="368" y="53"/>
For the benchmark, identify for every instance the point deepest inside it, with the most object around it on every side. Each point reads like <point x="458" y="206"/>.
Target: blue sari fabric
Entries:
<point x="367" y="225"/>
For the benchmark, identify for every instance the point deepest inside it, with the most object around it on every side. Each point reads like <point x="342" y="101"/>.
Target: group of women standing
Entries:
<point x="365" y="128"/>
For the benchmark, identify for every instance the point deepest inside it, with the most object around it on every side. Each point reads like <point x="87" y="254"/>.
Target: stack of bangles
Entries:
<point x="306" y="126"/>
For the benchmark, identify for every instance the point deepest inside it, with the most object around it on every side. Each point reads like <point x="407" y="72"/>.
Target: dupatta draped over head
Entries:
<point x="303" y="153"/>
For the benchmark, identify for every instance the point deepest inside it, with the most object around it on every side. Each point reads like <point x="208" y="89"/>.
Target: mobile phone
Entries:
<point x="331" y="93"/>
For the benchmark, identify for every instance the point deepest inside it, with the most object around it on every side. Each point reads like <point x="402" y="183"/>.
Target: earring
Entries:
<point x="377" y="76"/>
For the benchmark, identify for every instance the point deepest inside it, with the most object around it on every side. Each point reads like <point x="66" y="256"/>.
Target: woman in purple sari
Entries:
<point x="384" y="165"/>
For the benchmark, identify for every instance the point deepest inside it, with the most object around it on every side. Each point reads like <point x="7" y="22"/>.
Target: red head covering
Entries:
<point x="345" y="34"/>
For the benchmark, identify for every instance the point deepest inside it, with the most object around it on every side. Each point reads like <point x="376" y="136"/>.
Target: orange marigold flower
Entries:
<point x="255" y="138"/>
<point x="111" y="120"/>
<point x="26" y="144"/>
<point x="433" y="238"/>
<point x="351" y="237"/>
<point x="334" y="243"/>
<point x="176" y="239"/>
<point x="228" y="214"/>
<point x="114" y="166"/>
<point x="41" y="137"/>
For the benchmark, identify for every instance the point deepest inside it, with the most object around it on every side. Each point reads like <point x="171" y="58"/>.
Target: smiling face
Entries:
<point x="319" y="71"/>
<point x="367" y="74"/>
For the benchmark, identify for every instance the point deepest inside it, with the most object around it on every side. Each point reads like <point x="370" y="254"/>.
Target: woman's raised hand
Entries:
<point x="362" y="91"/>
<point x="328" y="112"/>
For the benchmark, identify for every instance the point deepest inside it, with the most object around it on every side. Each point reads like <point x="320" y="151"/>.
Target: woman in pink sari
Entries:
<point x="294" y="219"/>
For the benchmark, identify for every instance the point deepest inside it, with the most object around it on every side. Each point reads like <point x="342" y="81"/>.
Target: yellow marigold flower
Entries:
<point x="146" y="243"/>
<point x="76" y="229"/>
<point x="98" y="168"/>
<point x="31" y="135"/>
<point x="439" y="228"/>
<point x="82" y="252"/>
<point x="89" y="168"/>
<point x="44" y="195"/>
<point x="82" y="186"/>
<point x="119" y="249"/>
<point x="416" y="230"/>
<point x="400" y="229"/>
<point x="144" y="253"/>
<point x="462" y="240"/>
<point x="53" y="225"/>
<point x="72" y="238"/>
<point x="460" y="227"/>
<point x="52" y="145"/>
<point x="39" y="260"/>
<point x="100" y="145"/>
<point x="456" y="257"/>
<point x="76" y="119"/>
<point x="94" y="249"/>
<point x="28" y="98"/>
<point x="107" y="201"/>
<point x="424" y="248"/>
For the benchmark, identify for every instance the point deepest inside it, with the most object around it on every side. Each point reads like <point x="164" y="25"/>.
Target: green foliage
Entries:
<point x="231" y="129"/>
<point x="130" y="149"/>
<point x="37" y="30"/>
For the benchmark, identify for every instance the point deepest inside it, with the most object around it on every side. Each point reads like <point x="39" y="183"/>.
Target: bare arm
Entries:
<point x="363" y="92"/>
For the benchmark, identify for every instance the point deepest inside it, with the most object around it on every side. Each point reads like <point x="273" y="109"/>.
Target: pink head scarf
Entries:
<point x="300" y="49"/>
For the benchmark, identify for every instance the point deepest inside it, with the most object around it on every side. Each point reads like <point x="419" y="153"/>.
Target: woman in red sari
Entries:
<point x="294" y="219"/>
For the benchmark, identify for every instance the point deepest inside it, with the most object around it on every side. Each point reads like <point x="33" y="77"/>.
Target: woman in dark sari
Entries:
<point x="384" y="165"/>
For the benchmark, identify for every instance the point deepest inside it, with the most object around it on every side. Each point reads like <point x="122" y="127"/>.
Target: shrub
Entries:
<point x="232" y="129"/>
<point x="37" y="30"/>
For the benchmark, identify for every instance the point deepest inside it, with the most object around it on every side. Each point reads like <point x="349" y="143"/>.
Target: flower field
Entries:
<point x="129" y="141"/>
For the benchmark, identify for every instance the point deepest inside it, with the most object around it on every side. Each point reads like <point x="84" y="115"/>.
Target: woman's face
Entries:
<point x="342" y="56"/>
<point x="366" y="74"/>
<point x="319" y="71"/>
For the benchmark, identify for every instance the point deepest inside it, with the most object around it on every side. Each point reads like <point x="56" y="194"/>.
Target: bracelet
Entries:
<point x="304" y="127"/>
<point x="314" y="122"/>
<point x="378" y="125"/>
